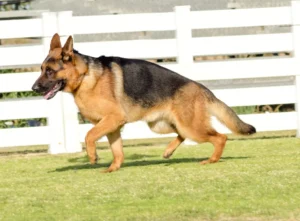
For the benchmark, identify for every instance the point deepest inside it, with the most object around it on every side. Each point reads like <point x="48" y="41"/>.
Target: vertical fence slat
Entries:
<point x="71" y="123"/>
<point x="183" y="35"/>
<point x="55" y="118"/>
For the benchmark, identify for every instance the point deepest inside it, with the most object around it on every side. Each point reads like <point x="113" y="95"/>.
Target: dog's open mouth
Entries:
<point x="58" y="86"/>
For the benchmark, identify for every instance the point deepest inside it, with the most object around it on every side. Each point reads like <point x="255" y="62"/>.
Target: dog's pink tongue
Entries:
<point x="46" y="96"/>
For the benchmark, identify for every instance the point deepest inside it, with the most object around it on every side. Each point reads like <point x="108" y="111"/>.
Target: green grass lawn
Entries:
<point x="257" y="179"/>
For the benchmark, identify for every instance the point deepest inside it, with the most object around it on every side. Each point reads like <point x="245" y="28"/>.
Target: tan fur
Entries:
<point x="100" y="97"/>
<point x="228" y="117"/>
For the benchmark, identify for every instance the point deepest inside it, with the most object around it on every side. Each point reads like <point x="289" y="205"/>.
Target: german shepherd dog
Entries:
<point x="113" y="91"/>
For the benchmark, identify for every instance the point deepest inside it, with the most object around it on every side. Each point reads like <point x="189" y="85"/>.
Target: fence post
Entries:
<point x="184" y="40"/>
<point x="70" y="113"/>
<point x="55" y="117"/>
<point x="296" y="39"/>
<point x="183" y="36"/>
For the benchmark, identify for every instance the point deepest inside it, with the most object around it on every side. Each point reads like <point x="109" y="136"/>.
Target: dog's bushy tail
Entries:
<point x="229" y="118"/>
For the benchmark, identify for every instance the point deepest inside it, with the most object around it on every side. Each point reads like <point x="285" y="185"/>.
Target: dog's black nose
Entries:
<point x="35" y="87"/>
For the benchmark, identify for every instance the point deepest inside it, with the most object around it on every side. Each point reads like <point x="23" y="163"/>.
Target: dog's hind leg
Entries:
<point x="163" y="127"/>
<point x="173" y="146"/>
<point x="219" y="141"/>
<point x="202" y="134"/>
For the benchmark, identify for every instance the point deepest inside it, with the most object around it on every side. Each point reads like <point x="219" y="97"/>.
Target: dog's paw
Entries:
<point x="208" y="161"/>
<point x="167" y="154"/>
<point x="93" y="160"/>
<point x="112" y="168"/>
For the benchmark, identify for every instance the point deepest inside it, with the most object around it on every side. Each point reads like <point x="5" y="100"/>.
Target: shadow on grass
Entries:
<point x="85" y="159"/>
<point x="145" y="144"/>
<point x="138" y="163"/>
<point x="257" y="138"/>
<point x="139" y="156"/>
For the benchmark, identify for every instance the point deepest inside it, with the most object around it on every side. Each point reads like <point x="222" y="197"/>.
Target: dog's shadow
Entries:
<point x="166" y="162"/>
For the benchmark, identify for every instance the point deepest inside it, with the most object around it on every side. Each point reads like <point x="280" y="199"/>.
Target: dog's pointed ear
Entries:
<point x="67" y="51"/>
<point x="55" y="42"/>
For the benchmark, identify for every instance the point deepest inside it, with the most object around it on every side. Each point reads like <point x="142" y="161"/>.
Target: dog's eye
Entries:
<point x="49" y="72"/>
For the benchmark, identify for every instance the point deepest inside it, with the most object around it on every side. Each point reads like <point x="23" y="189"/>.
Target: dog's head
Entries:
<point x="58" y="71"/>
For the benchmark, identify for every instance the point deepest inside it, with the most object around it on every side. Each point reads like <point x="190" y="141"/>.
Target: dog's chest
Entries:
<point x="89" y="109"/>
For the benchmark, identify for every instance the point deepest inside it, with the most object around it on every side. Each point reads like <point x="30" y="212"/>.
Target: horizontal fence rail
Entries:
<point x="21" y="28"/>
<point x="237" y="69"/>
<point x="17" y="82"/>
<point x="241" y="18"/>
<point x="123" y="23"/>
<point x="182" y="54"/>
<point x="26" y="137"/>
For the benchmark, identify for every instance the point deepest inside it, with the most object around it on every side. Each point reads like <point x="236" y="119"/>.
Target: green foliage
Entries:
<point x="244" y="109"/>
<point x="15" y="5"/>
<point x="11" y="95"/>
<point x="5" y="71"/>
<point x="257" y="179"/>
<point x="23" y="123"/>
<point x="19" y="94"/>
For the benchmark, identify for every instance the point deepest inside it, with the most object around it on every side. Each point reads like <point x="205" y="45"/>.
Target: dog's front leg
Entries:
<point x="116" y="146"/>
<point x="108" y="125"/>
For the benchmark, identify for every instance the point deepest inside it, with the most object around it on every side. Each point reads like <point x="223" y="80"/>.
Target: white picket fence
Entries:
<point x="63" y="132"/>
